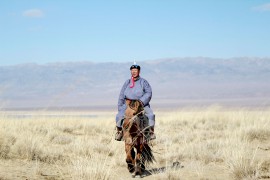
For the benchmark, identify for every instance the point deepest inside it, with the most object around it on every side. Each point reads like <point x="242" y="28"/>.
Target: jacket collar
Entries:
<point x="138" y="78"/>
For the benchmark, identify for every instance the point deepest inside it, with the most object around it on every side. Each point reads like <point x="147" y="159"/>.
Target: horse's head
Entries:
<point x="133" y="107"/>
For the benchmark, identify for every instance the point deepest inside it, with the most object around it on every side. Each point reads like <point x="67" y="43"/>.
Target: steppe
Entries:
<point x="209" y="143"/>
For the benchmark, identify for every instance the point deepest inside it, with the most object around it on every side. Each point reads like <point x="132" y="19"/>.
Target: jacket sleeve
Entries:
<point x="121" y="99"/>
<point x="145" y="99"/>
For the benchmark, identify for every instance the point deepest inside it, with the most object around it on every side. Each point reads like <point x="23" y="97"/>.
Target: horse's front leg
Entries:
<point x="130" y="157"/>
<point x="138" y="163"/>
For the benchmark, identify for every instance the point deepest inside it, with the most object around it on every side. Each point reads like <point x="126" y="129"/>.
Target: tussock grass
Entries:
<point x="261" y="134"/>
<point x="211" y="143"/>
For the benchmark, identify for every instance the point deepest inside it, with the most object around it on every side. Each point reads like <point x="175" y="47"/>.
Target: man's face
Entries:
<point x="135" y="72"/>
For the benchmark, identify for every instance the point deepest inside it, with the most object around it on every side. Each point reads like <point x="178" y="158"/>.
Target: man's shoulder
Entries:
<point x="127" y="81"/>
<point x="144" y="80"/>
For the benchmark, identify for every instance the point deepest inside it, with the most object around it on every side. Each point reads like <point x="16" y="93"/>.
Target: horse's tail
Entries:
<point x="147" y="154"/>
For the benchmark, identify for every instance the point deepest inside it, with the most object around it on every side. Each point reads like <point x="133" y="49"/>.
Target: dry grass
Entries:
<point x="211" y="143"/>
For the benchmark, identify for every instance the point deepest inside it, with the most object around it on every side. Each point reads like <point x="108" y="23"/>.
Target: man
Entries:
<point x="135" y="88"/>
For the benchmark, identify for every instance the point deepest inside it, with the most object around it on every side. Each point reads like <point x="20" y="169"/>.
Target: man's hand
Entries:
<point x="141" y="103"/>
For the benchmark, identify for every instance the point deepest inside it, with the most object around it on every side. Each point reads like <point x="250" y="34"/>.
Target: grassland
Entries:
<point x="209" y="143"/>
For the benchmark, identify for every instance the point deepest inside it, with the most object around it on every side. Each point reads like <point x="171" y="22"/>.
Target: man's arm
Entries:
<point x="145" y="99"/>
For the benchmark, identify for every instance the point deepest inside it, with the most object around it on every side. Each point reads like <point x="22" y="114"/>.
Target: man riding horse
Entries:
<point x="135" y="88"/>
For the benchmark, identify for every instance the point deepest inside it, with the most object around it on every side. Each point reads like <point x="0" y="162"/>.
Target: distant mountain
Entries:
<point x="175" y="82"/>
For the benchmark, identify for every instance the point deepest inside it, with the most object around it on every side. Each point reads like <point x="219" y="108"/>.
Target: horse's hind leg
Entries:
<point x="130" y="158"/>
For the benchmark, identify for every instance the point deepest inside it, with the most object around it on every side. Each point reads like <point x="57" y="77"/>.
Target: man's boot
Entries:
<point x="119" y="134"/>
<point x="152" y="134"/>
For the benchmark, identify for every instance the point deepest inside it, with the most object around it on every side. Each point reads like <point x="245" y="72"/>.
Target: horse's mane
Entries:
<point x="135" y="105"/>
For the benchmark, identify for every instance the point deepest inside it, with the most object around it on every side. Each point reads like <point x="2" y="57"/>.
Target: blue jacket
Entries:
<point x="141" y="91"/>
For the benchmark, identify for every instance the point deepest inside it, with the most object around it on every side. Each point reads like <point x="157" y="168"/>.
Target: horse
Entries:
<point x="135" y="136"/>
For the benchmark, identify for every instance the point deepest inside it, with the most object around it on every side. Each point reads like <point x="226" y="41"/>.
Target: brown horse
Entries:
<point x="134" y="134"/>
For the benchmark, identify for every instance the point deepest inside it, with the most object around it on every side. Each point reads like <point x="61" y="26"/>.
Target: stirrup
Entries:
<point x="118" y="136"/>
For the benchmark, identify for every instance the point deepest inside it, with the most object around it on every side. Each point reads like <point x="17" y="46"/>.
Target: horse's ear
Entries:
<point x="128" y="102"/>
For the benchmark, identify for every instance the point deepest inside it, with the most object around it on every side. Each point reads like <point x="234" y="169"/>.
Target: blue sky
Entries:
<point x="48" y="31"/>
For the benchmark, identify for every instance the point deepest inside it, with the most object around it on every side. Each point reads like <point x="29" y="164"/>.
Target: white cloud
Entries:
<point x="263" y="7"/>
<point x="35" y="13"/>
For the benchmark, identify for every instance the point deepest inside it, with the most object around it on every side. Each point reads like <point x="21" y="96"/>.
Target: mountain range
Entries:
<point x="176" y="82"/>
